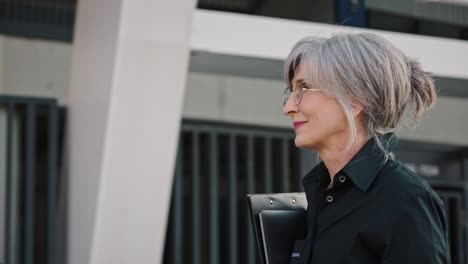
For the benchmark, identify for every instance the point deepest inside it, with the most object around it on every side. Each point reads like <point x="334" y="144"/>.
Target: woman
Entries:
<point x="343" y="94"/>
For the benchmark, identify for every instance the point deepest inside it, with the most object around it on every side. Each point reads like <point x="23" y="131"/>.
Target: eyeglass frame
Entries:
<point x="297" y="96"/>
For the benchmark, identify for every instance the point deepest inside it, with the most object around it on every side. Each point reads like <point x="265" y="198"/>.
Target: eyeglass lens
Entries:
<point x="297" y="95"/>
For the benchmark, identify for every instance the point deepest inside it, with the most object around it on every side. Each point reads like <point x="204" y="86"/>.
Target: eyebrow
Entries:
<point x="299" y="81"/>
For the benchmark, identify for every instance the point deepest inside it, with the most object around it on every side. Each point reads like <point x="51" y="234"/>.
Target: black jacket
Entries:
<point x="375" y="212"/>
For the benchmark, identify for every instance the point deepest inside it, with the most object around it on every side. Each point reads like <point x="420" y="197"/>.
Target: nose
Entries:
<point x="290" y="107"/>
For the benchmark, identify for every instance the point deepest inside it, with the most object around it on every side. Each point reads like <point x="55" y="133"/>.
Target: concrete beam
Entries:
<point x="272" y="38"/>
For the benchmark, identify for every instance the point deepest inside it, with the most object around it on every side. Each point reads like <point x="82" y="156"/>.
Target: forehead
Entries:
<point x="300" y="76"/>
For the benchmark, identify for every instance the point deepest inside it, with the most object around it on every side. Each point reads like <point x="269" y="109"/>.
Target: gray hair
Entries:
<point x="367" y="69"/>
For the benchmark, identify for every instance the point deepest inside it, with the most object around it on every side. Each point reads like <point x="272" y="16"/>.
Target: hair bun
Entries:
<point x="423" y="92"/>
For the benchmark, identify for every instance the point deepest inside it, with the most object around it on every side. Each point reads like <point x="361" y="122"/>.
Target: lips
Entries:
<point x="298" y="124"/>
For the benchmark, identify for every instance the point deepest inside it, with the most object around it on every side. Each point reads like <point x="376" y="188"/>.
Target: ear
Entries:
<point x="356" y="107"/>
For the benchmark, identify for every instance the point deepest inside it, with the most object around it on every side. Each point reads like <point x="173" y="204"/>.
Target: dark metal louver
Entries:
<point x="44" y="19"/>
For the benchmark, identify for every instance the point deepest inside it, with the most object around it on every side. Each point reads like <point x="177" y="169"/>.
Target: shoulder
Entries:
<point x="404" y="186"/>
<point x="410" y="199"/>
<point x="417" y="220"/>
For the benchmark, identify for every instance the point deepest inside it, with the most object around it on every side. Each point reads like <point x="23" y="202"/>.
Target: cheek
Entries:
<point x="326" y="112"/>
<point x="325" y="118"/>
<point x="333" y="117"/>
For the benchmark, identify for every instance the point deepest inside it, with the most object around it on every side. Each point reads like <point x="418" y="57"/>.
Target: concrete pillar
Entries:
<point x="129" y="67"/>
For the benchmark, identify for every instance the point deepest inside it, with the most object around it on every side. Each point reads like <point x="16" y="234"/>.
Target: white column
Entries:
<point x="129" y="67"/>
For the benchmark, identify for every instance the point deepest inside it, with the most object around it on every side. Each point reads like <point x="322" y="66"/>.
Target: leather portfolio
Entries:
<point x="278" y="220"/>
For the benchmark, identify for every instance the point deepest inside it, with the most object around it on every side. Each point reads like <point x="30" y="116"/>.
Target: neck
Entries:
<point x="337" y="155"/>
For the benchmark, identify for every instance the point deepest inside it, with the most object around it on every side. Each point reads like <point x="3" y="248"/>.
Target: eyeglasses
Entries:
<point x="298" y="91"/>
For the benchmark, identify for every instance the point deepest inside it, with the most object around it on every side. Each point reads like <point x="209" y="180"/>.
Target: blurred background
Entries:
<point x="233" y="138"/>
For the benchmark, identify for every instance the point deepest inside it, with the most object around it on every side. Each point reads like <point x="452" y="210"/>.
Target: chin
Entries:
<point x="304" y="143"/>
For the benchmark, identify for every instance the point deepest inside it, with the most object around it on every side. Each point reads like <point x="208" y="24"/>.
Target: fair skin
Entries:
<point x="321" y="125"/>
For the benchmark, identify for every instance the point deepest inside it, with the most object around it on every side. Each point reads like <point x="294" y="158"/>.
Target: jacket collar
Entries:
<point x="366" y="164"/>
<point x="362" y="168"/>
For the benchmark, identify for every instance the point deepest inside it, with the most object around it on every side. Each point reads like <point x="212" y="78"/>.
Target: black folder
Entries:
<point x="280" y="229"/>
<point x="278" y="220"/>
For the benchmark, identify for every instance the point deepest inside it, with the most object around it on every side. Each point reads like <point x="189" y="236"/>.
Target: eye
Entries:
<point x="304" y="86"/>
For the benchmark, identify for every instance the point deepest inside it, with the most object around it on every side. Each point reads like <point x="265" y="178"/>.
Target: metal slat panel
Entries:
<point x="292" y="165"/>
<point x="214" y="202"/>
<point x="285" y="164"/>
<point x="52" y="185"/>
<point x="22" y="11"/>
<point x="461" y="253"/>
<point x="250" y="189"/>
<point x="251" y="135"/>
<point x="56" y="10"/>
<point x="8" y="10"/>
<point x="48" y="14"/>
<point x="456" y="206"/>
<point x="207" y="128"/>
<point x="449" y="224"/>
<point x="233" y="199"/>
<point x="268" y="172"/>
<point x="9" y="190"/>
<point x="196" y="198"/>
<point x="25" y="100"/>
<point x="16" y="170"/>
<point x="43" y="14"/>
<point x="464" y="246"/>
<point x="30" y="182"/>
<point x="452" y="203"/>
<point x="303" y="169"/>
<point x="33" y="16"/>
<point x="178" y="206"/>
<point x="13" y="15"/>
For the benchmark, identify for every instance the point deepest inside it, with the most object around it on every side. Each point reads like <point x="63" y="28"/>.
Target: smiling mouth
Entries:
<point x="298" y="124"/>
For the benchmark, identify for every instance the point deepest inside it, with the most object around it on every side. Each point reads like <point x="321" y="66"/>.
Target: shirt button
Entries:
<point x="342" y="178"/>
<point x="329" y="198"/>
